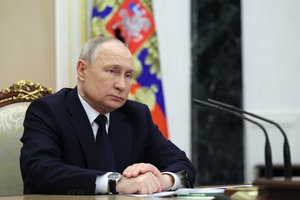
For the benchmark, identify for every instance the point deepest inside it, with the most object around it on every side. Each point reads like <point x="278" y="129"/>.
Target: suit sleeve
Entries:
<point x="42" y="168"/>
<point x="165" y="155"/>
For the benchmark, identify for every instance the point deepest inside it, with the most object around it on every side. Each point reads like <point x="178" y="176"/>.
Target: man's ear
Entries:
<point x="81" y="68"/>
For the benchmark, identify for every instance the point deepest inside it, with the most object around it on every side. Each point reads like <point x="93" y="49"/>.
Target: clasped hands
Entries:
<point x="143" y="178"/>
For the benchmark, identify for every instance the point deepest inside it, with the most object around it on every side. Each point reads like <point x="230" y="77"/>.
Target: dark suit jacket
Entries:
<point x="58" y="154"/>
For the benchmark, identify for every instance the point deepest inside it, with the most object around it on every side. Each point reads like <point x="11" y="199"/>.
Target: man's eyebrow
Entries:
<point x="117" y="66"/>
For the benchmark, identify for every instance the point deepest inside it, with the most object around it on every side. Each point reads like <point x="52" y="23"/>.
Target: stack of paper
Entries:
<point x="207" y="193"/>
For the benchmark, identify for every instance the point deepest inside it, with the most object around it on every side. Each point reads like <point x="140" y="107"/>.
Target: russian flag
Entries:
<point x="132" y="21"/>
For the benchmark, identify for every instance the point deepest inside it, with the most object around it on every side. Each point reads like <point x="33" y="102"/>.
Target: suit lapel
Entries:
<point x="82" y="128"/>
<point x="120" y="133"/>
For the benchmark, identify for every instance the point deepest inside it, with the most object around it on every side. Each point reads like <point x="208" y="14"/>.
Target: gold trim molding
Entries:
<point x="23" y="91"/>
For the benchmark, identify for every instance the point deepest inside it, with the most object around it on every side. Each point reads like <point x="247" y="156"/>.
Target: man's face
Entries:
<point x="106" y="82"/>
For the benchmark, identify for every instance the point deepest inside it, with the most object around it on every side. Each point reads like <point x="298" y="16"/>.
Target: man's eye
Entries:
<point x="128" y="75"/>
<point x="111" y="71"/>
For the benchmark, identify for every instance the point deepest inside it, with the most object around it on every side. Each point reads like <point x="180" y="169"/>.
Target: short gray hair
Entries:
<point x="88" y="51"/>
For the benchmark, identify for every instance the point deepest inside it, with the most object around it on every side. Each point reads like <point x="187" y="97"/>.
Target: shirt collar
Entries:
<point x="91" y="112"/>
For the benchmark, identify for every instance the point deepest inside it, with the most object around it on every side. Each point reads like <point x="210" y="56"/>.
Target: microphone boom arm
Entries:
<point x="286" y="147"/>
<point x="268" y="155"/>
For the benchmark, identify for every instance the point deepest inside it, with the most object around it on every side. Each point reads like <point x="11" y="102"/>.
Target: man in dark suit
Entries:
<point x="62" y="151"/>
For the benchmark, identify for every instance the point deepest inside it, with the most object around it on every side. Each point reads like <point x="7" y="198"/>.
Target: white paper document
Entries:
<point x="182" y="192"/>
<point x="192" y="192"/>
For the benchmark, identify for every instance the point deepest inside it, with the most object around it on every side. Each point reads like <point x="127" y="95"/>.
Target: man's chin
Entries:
<point x="115" y="105"/>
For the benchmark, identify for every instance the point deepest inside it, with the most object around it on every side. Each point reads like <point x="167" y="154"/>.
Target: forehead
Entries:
<point x="114" y="52"/>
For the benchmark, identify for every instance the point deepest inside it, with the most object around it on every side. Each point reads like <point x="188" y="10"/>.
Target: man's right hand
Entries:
<point x="146" y="183"/>
<point x="166" y="180"/>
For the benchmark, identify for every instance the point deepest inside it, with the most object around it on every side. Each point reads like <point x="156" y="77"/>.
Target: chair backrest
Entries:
<point x="13" y="105"/>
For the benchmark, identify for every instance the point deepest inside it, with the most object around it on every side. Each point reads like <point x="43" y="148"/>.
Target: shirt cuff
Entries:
<point x="177" y="183"/>
<point x="102" y="184"/>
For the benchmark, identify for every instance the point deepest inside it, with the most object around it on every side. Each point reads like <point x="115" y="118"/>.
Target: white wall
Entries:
<point x="271" y="69"/>
<point x="172" y="19"/>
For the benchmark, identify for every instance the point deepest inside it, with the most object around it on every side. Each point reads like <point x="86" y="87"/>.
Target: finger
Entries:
<point x="134" y="170"/>
<point x="126" y="186"/>
<point x="142" y="168"/>
<point x="149" y="168"/>
<point x="147" y="183"/>
<point x="150" y="183"/>
<point x="157" y="184"/>
<point x="153" y="184"/>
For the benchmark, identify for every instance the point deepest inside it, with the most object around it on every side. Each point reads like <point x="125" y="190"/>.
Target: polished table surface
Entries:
<point x="78" y="197"/>
<point x="233" y="191"/>
<point x="264" y="189"/>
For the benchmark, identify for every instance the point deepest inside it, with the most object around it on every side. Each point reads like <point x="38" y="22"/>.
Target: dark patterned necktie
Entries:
<point x="105" y="152"/>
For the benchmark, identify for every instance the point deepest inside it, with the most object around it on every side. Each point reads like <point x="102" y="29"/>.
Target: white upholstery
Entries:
<point x="11" y="130"/>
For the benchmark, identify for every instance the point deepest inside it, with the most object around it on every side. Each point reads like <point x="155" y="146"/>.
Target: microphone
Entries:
<point x="286" y="146"/>
<point x="268" y="155"/>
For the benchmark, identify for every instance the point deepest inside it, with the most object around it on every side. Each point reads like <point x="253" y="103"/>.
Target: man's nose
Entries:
<point x="120" y="83"/>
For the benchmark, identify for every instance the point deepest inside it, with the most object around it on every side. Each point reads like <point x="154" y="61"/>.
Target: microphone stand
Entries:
<point x="286" y="148"/>
<point x="268" y="155"/>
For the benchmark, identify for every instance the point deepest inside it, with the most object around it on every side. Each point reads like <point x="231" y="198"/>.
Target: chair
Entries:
<point x="13" y="105"/>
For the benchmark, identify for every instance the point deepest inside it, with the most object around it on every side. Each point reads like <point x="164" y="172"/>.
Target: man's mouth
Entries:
<point x="118" y="98"/>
